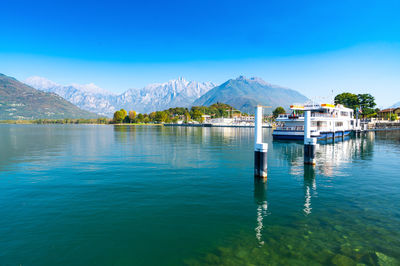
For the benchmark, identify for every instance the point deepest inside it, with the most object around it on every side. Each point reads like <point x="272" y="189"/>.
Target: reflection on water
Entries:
<point x="340" y="222"/>
<point x="330" y="156"/>
<point x="310" y="187"/>
<point x="260" y="197"/>
<point x="42" y="145"/>
<point x="181" y="147"/>
<point x="146" y="195"/>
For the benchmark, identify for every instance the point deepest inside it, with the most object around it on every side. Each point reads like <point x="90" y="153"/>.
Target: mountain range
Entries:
<point x="245" y="93"/>
<point x="42" y="98"/>
<point x="242" y="93"/>
<point x="153" y="97"/>
<point x="20" y="101"/>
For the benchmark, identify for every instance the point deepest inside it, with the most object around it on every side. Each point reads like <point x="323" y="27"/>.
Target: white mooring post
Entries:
<point x="309" y="142"/>
<point x="260" y="148"/>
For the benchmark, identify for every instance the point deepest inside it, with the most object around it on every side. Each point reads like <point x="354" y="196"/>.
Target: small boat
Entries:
<point x="327" y="121"/>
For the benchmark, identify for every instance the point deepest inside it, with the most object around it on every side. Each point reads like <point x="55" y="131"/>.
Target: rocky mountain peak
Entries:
<point x="153" y="97"/>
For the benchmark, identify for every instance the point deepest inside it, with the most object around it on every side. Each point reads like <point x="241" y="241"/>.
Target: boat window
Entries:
<point x="339" y="124"/>
<point x="321" y="124"/>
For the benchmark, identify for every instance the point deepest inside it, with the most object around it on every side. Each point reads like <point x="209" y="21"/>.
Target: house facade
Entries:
<point x="385" y="113"/>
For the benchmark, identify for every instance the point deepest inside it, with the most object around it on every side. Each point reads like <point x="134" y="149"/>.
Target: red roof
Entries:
<point x="388" y="110"/>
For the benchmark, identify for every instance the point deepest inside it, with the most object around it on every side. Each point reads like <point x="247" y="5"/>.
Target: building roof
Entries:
<point x="388" y="110"/>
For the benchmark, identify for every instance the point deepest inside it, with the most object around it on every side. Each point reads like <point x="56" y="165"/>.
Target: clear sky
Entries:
<point x="315" y="47"/>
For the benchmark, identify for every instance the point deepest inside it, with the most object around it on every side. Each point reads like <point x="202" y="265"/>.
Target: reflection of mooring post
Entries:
<point x="309" y="142"/>
<point x="309" y="185"/>
<point x="260" y="197"/>
<point x="260" y="148"/>
<point x="357" y="123"/>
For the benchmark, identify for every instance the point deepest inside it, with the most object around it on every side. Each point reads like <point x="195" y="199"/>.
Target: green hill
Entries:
<point x="244" y="94"/>
<point x="19" y="101"/>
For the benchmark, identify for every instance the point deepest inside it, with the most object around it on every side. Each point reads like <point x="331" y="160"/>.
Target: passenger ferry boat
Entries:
<point x="327" y="121"/>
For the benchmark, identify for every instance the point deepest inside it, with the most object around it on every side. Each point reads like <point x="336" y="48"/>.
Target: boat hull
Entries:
<point x="299" y="135"/>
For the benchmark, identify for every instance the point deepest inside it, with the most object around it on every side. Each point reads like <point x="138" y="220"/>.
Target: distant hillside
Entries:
<point x="244" y="94"/>
<point x="19" y="101"/>
<point x="395" y="105"/>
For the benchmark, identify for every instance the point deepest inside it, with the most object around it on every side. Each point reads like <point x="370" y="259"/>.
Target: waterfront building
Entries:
<point x="386" y="113"/>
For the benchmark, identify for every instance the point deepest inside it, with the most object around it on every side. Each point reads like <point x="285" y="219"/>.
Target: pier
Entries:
<point x="381" y="125"/>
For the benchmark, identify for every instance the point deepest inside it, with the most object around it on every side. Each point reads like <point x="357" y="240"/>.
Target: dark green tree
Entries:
<point x="126" y="119"/>
<point x="367" y="103"/>
<point x="139" y="118"/>
<point x="187" y="117"/>
<point x="278" y="110"/>
<point x="152" y="116"/>
<point x="196" y="115"/>
<point x="349" y="100"/>
<point x="161" y="117"/>
<point x="364" y="101"/>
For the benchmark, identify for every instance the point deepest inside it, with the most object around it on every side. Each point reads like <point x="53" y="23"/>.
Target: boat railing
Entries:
<point x="295" y="128"/>
<point x="283" y="116"/>
<point x="290" y="116"/>
<point x="321" y="115"/>
<point x="313" y="114"/>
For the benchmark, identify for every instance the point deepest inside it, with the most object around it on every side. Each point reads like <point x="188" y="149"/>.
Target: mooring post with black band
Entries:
<point x="310" y="143"/>
<point x="260" y="148"/>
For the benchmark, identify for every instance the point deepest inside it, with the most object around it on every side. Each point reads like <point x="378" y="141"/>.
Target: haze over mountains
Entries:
<point x="153" y="97"/>
<point x="20" y="101"/>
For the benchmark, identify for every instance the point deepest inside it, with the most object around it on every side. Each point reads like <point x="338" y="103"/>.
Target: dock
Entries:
<point x="382" y="126"/>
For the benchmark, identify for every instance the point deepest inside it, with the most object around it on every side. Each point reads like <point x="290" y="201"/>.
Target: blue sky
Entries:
<point x="315" y="47"/>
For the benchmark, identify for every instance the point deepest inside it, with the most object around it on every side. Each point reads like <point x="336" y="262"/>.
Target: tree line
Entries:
<point x="173" y="115"/>
<point x="365" y="102"/>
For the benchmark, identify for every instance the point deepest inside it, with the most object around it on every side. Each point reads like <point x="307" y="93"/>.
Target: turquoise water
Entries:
<point x="120" y="195"/>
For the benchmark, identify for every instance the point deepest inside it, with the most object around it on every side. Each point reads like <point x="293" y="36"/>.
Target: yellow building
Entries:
<point x="385" y="113"/>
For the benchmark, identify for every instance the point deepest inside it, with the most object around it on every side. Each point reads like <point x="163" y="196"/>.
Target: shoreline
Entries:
<point x="78" y="122"/>
<point x="54" y="122"/>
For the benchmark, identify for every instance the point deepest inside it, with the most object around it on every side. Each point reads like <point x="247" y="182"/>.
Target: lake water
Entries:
<point x="121" y="195"/>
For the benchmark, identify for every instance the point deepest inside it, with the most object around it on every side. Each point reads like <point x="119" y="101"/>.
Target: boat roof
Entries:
<point x="318" y="107"/>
